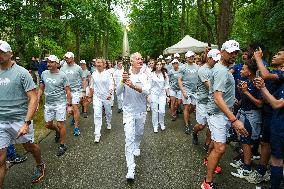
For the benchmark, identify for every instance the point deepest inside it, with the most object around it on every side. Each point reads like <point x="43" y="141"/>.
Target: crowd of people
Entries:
<point x="240" y="102"/>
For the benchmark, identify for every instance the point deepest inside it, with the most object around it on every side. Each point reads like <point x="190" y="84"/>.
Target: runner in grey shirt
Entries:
<point x="18" y="103"/>
<point x="220" y="116"/>
<point x="55" y="85"/>
<point x="78" y="86"/>
<point x="187" y="84"/>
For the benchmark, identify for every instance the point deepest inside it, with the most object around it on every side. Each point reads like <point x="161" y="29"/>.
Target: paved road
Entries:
<point x="168" y="160"/>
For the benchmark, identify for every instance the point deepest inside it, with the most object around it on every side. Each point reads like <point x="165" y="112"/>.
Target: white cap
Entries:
<point x="161" y="57"/>
<point x="175" y="61"/>
<point x="53" y="58"/>
<point x="231" y="46"/>
<point x="69" y="55"/>
<point x="83" y="62"/>
<point x="176" y="55"/>
<point x="214" y="54"/>
<point x="168" y="58"/>
<point x="189" y="54"/>
<point x="5" y="47"/>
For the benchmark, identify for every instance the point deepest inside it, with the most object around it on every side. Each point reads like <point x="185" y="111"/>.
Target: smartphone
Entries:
<point x="258" y="74"/>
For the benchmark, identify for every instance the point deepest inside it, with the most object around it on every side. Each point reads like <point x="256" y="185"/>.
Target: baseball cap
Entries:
<point x="214" y="54"/>
<point x="53" y="58"/>
<point x="168" y="58"/>
<point x="83" y="62"/>
<point x="175" y="61"/>
<point x="189" y="54"/>
<point x="231" y="46"/>
<point x="69" y="55"/>
<point x="18" y="58"/>
<point x="161" y="57"/>
<point x="176" y="55"/>
<point x="5" y="47"/>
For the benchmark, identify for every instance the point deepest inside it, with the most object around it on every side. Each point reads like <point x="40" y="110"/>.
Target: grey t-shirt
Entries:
<point x="204" y="74"/>
<point x="54" y="87"/>
<point x="14" y="83"/>
<point x="86" y="73"/>
<point x="189" y="77"/>
<point x="173" y="79"/>
<point x="75" y="75"/>
<point x="222" y="80"/>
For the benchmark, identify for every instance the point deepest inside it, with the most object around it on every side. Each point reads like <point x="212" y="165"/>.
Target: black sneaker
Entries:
<point x="119" y="110"/>
<point x="61" y="150"/>
<point x="85" y="115"/>
<point x="57" y="137"/>
<point x="17" y="159"/>
<point x="194" y="138"/>
<point x="39" y="173"/>
<point x="187" y="130"/>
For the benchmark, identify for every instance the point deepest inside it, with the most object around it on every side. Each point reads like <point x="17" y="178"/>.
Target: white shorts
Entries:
<point x="176" y="94"/>
<point x="76" y="97"/>
<point x="190" y="100"/>
<point x="9" y="131"/>
<point x="201" y="114"/>
<point x="219" y="126"/>
<point x="87" y="91"/>
<point x="57" y="112"/>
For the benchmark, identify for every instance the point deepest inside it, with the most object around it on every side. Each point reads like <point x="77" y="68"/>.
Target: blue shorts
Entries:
<point x="265" y="128"/>
<point x="247" y="139"/>
<point x="277" y="146"/>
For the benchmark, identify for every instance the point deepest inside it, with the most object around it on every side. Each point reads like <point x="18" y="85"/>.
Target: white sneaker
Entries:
<point x="109" y="126"/>
<point x="236" y="163"/>
<point x="163" y="127"/>
<point x="97" y="138"/>
<point x="241" y="173"/>
<point x="136" y="152"/>
<point x="155" y="129"/>
<point x="130" y="174"/>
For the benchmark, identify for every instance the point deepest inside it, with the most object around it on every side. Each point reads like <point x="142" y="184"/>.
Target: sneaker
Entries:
<point x="76" y="131"/>
<point x="241" y="173"/>
<point x="208" y="185"/>
<point x="61" y="150"/>
<point x="119" y="111"/>
<point x="205" y="162"/>
<point x="163" y="127"/>
<point x="17" y="159"/>
<point x="155" y="129"/>
<point x="217" y="170"/>
<point x="187" y="130"/>
<point x="109" y="126"/>
<point x="255" y="157"/>
<point x="57" y="137"/>
<point x="136" y="152"/>
<point x="39" y="173"/>
<point x="174" y="118"/>
<point x="237" y="163"/>
<point x="130" y="174"/>
<point x="256" y="178"/>
<point x="194" y="138"/>
<point x="85" y="115"/>
<point x="97" y="138"/>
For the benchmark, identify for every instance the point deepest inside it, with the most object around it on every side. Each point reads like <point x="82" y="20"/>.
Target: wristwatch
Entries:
<point x="28" y="122"/>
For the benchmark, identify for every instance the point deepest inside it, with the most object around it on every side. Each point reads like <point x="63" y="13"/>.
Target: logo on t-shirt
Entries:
<point x="69" y="72"/>
<point x="50" y="80"/>
<point x="4" y="81"/>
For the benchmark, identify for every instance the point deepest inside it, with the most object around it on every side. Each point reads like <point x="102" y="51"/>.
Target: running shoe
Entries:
<point x="85" y="115"/>
<point x="194" y="138"/>
<point x="76" y="131"/>
<point x="237" y="163"/>
<point x="241" y="173"/>
<point x="39" y="173"/>
<point x="17" y="159"/>
<point x="130" y="174"/>
<point x="208" y="185"/>
<point x="256" y="178"/>
<point x="61" y="150"/>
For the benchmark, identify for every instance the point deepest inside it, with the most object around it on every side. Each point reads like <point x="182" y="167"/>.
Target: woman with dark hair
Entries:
<point x="159" y="91"/>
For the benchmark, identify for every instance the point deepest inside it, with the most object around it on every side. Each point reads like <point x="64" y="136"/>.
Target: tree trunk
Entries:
<point x="182" y="22"/>
<point x="78" y="42"/>
<point x="224" y="20"/>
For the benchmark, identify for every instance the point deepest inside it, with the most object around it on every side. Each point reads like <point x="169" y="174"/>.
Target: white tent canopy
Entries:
<point x="188" y="44"/>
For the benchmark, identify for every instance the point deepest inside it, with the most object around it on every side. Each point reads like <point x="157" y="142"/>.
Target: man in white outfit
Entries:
<point x="101" y="90"/>
<point x="117" y="76"/>
<point x="135" y="88"/>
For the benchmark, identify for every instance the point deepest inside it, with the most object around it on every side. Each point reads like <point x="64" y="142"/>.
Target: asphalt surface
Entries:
<point x="168" y="160"/>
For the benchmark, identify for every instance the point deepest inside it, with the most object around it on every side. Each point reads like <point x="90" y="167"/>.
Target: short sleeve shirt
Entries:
<point x="173" y="79"/>
<point x="75" y="75"/>
<point x="204" y="74"/>
<point x="189" y="77"/>
<point x="246" y="103"/>
<point x="15" y="82"/>
<point x="54" y="90"/>
<point x="223" y="81"/>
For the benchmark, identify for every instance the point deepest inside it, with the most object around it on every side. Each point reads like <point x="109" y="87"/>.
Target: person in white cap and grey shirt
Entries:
<point x="135" y="88"/>
<point x="168" y="64"/>
<point x="18" y="103"/>
<point x="202" y="92"/>
<point x="101" y="90"/>
<point x="78" y="86"/>
<point x="187" y="84"/>
<point x="219" y="108"/>
<point x="55" y="86"/>
<point x="87" y="75"/>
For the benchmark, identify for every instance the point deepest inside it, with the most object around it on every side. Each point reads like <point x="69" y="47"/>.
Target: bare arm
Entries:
<point x="68" y="94"/>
